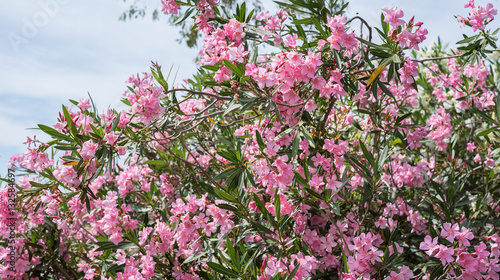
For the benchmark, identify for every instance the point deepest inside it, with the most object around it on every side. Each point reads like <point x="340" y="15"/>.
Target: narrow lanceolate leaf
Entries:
<point x="260" y="141"/>
<point x="237" y="71"/>
<point x="277" y="206"/>
<point x="294" y="271"/>
<point x="385" y="90"/>
<point x="107" y="245"/>
<point x="223" y="270"/>
<point x="54" y="133"/>
<point x="487" y="131"/>
<point x="376" y="73"/>
<point x="232" y="107"/>
<point x="368" y="155"/>
<point x="185" y="16"/>
<point x="295" y="145"/>
<point x="233" y="254"/>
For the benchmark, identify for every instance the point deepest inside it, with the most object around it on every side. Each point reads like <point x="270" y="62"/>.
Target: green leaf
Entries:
<point x="302" y="21"/>
<point x="277" y="205"/>
<point x="308" y="137"/>
<point x="237" y="71"/>
<point x="210" y="67"/>
<point x="222" y="270"/>
<point x="185" y="16"/>
<point x="227" y="207"/>
<point x="233" y="254"/>
<point x="260" y="31"/>
<point x="285" y="132"/>
<point x="314" y="193"/>
<point x="301" y="180"/>
<point x="354" y="161"/>
<point x="295" y="145"/>
<point x="319" y="27"/>
<point x="487" y="131"/>
<point x="54" y="133"/>
<point x="396" y="58"/>
<point x="156" y="162"/>
<point x="232" y="107"/>
<point x="368" y="43"/>
<point x="108" y="245"/>
<point x="484" y="116"/>
<point x="262" y="146"/>
<point x="467" y="40"/>
<point x="368" y="155"/>
<point x="385" y="90"/>
<point x="294" y="271"/>
<point x="260" y="205"/>
<point x="224" y="196"/>
<point x="436" y="271"/>
<point x="262" y="228"/>
<point x="116" y="121"/>
<point x="383" y="157"/>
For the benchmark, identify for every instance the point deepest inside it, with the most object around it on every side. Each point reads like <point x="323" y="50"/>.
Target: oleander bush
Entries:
<point x="302" y="149"/>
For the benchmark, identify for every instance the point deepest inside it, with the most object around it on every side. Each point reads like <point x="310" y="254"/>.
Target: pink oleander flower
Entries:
<point x="470" y="4"/>
<point x="404" y="274"/>
<point x="450" y="231"/>
<point x="88" y="150"/>
<point x="84" y="104"/>
<point x="489" y="162"/>
<point x="479" y="17"/>
<point x="430" y="245"/>
<point x="393" y="15"/>
<point x="445" y="254"/>
<point x="471" y="147"/>
<point x="169" y="7"/>
<point x="464" y="236"/>
<point x="110" y="138"/>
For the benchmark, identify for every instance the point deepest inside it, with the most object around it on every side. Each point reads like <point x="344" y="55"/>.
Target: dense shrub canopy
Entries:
<point x="334" y="155"/>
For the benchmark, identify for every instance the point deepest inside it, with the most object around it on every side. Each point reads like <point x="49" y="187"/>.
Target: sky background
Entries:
<point x="55" y="50"/>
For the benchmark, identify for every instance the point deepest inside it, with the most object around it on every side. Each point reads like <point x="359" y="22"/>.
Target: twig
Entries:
<point x="363" y="21"/>
<point x="325" y="118"/>
<point x="441" y="78"/>
<point x="200" y="93"/>
<point x="437" y="58"/>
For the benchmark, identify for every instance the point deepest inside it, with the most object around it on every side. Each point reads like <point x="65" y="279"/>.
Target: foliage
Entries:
<point x="332" y="157"/>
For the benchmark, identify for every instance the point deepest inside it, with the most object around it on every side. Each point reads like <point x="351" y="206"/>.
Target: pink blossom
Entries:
<point x="84" y="104"/>
<point x="430" y="245"/>
<point x="471" y="147"/>
<point x="169" y="7"/>
<point x="464" y="236"/>
<point x="393" y="15"/>
<point x="489" y="162"/>
<point x="449" y="231"/>
<point x="445" y="254"/>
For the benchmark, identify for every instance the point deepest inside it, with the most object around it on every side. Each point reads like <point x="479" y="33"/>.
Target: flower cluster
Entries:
<point x="331" y="156"/>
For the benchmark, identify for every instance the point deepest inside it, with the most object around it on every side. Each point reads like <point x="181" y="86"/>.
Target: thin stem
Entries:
<point x="437" y="58"/>
<point x="325" y="118"/>
<point x="200" y="93"/>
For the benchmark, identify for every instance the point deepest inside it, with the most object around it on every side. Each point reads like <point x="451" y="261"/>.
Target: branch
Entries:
<point x="363" y="21"/>
<point x="325" y="118"/>
<point x="437" y="58"/>
<point x="441" y="78"/>
<point x="200" y="93"/>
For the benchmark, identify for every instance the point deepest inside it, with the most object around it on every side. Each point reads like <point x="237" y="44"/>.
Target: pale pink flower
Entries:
<point x="445" y="254"/>
<point x="449" y="231"/>
<point x="471" y="147"/>
<point x="393" y="15"/>
<point x="430" y="245"/>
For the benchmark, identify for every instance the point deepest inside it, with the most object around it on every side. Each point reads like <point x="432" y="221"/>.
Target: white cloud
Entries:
<point x="81" y="48"/>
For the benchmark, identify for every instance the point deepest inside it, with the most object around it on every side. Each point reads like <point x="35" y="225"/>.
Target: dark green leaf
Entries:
<point x="223" y="270"/>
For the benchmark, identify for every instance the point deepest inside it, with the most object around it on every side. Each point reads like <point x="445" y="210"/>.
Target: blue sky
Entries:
<point x="55" y="50"/>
